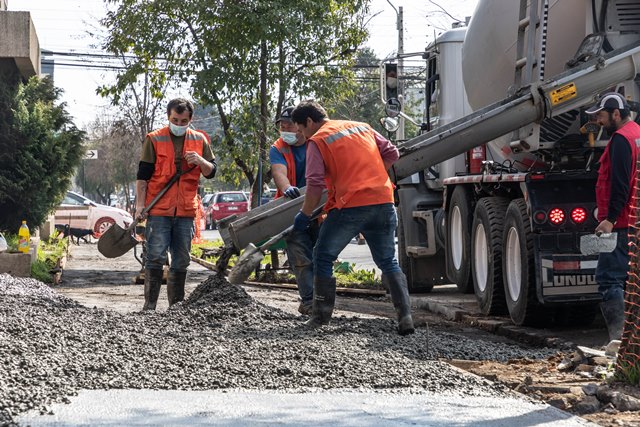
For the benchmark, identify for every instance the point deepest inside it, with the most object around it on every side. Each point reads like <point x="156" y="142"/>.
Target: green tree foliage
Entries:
<point x="118" y="143"/>
<point x="40" y="149"/>
<point x="239" y="55"/>
<point x="364" y="104"/>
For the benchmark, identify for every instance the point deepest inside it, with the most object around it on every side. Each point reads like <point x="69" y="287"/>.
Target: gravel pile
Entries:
<point x="218" y="338"/>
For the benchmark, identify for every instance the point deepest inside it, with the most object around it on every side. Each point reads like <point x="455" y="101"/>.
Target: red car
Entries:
<point x="224" y="204"/>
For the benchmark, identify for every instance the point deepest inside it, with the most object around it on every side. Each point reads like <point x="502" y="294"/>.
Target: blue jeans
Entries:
<point x="376" y="222"/>
<point x="613" y="268"/>
<point x="299" y="252"/>
<point x="169" y="233"/>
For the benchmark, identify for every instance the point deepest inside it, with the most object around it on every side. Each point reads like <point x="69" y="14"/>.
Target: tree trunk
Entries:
<point x="262" y="134"/>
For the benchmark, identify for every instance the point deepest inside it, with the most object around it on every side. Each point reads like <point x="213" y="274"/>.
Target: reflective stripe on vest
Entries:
<point x="354" y="168"/>
<point x="287" y="153"/>
<point x="181" y="199"/>
<point x="631" y="133"/>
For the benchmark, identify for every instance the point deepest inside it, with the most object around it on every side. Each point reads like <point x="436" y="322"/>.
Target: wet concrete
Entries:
<point x="317" y="408"/>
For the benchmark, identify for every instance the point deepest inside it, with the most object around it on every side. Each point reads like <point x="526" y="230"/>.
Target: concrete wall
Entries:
<point x="20" y="42"/>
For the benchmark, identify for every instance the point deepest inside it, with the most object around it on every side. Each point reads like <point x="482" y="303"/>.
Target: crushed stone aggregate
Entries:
<point x="218" y="338"/>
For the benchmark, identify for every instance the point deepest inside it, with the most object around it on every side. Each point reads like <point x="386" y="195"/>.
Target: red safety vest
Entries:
<point x="631" y="132"/>
<point x="287" y="153"/>
<point x="181" y="199"/>
<point x="355" y="172"/>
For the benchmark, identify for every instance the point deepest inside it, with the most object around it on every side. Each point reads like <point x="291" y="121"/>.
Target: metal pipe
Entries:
<point x="566" y="91"/>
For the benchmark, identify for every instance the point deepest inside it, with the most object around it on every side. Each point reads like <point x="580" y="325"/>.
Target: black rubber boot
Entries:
<point x="613" y="313"/>
<point x="324" y="299"/>
<point x="175" y="286"/>
<point x="152" y="284"/>
<point x="397" y="285"/>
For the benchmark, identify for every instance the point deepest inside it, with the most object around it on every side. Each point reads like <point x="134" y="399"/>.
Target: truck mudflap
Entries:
<point x="567" y="278"/>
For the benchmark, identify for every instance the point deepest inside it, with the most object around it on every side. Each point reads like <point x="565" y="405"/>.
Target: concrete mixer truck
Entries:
<point x="496" y="195"/>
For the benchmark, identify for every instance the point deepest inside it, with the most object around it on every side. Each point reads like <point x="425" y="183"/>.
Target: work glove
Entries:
<point x="301" y="222"/>
<point x="292" y="192"/>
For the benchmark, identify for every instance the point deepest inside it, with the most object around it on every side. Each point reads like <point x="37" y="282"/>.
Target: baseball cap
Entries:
<point x="609" y="101"/>
<point x="285" y="115"/>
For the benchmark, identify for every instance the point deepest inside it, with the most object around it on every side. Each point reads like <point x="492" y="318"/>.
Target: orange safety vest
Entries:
<point x="631" y="132"/>
<point x="355" y="172"/>
<point x="287" y="152"/>
<point x="181" y="199"/>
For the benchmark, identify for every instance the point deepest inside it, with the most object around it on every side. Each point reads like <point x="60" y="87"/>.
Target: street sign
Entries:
<point x="91" y="154"/>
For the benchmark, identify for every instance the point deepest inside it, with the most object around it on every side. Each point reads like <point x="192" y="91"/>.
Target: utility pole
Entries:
<point x="400" y="28"/>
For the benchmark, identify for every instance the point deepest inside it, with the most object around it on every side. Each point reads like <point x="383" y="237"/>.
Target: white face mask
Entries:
<point x="178" y="130"/>
<point x="289" y="137"/>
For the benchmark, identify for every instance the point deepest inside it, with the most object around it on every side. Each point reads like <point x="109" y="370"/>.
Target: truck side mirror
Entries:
<point x="390" y="124"/>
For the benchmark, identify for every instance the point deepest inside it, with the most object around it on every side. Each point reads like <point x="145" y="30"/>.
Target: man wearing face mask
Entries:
<point x="288" y="167"/>
<point x="173" y="149"/>
<point x="614" y="191"/>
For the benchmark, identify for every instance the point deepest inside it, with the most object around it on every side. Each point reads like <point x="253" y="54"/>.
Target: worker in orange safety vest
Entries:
<point x="351" y="160"/>
<point x="166" y="152"/>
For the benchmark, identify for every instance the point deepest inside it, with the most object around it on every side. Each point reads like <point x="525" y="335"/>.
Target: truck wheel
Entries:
<point x="518" y="267"/>
<point x="486" y="254"/>
<point x="459" y="239"/>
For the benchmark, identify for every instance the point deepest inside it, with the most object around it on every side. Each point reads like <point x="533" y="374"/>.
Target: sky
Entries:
<point x="63" y="26"/>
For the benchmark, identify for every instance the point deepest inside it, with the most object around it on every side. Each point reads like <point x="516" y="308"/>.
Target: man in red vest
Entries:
<point x="173" y="149"/>
<point x="614" y="191"/>
<point x="351" y="160"/>
<point x="288" y="165"/>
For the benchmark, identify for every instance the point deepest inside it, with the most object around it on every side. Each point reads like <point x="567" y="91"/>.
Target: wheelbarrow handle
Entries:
<point x="315" y="214"/>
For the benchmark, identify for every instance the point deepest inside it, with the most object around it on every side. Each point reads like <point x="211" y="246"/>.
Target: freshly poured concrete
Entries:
<point x="322" y="408"/>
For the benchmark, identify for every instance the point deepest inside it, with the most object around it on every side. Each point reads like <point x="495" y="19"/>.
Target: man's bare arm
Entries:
<point x="279" y="173"/>
<point x="141" y="195"/>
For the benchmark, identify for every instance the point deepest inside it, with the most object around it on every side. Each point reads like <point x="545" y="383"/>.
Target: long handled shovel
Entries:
<point x="252" y="255"/>
<point x="117" y="241"/>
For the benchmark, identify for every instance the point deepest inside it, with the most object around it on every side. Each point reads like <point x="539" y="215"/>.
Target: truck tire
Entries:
<point x="518" y="267"/>
<point x="408" y="264"/>
<point x="459" y="239"/>
<point x="486" y="254"/>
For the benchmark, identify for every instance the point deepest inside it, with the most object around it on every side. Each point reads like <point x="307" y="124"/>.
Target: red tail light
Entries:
<point x="556" y="216"/>
<point x="579" y="215"/>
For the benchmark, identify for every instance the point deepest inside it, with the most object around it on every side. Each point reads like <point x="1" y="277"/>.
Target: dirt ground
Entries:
<point x="95" y="281"/>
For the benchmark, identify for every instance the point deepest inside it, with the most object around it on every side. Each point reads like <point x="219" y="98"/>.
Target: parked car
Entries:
<point x="224" y="204"/>
<point x="268" y="195"/>
<point x="84" y="214"/>
<point x="206" y="199"/>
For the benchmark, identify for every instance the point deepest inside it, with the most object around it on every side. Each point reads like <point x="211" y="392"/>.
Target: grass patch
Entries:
<point x="50" y="252"/>
<point x="628" y="373"/>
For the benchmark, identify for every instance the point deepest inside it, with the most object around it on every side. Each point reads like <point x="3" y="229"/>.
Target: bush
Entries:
<point x="40" y="149"/>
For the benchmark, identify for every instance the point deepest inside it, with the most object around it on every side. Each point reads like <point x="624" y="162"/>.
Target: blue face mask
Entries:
<point x="178" y="130"/>
<point x="289" y="137"/>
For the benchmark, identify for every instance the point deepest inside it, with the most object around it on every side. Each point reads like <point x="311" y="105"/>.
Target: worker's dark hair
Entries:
<point x="624" y="113"/>
<point x="180" y="105"/>
<point x="306" y="109"/>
